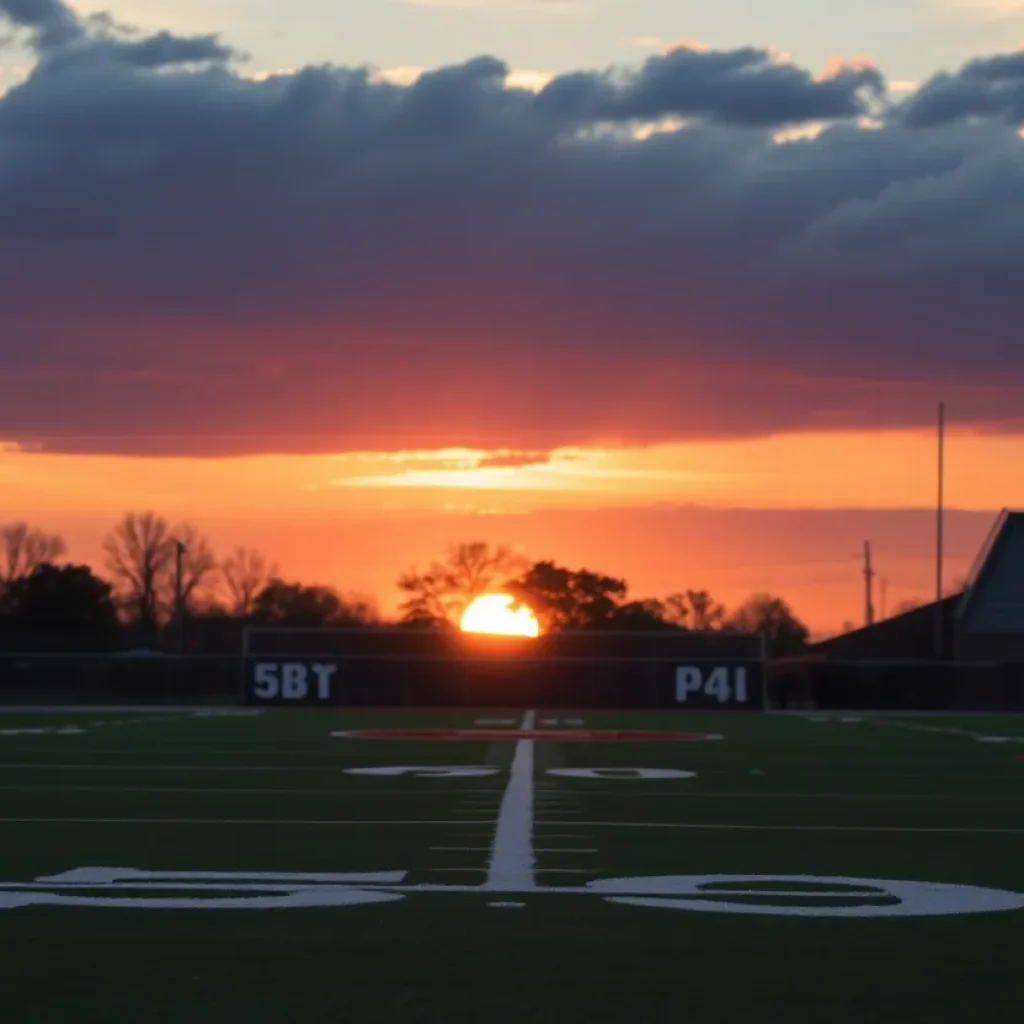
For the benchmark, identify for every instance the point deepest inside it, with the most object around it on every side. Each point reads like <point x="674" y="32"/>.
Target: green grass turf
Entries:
<point x="887" y="797"/>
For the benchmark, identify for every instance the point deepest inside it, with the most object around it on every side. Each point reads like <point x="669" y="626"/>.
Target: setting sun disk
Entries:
<point x="499" y="615"/>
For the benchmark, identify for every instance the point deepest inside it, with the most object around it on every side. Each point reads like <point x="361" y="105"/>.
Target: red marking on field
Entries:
<point x="561" y="735"/>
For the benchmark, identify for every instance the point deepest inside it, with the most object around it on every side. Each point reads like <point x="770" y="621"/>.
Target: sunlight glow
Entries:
<point x="499" y="615"/>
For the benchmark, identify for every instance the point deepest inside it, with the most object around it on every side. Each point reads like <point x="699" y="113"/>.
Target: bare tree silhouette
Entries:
<point x="25" y="549"/>
<point x="442" y="592"/>
<point x="139" y="552"/>
<point x="694" y="609"/>
<point x="245" y="573"/>
<point x="198" y="564"/>
<point x="771" y="616"/>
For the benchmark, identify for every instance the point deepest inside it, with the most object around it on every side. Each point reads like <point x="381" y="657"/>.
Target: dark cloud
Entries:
<point x="193" y="260"/>
<point x="743" y="87"/>
<point x="58" y="34"/>
<point x="989" y="87"/>
<point x="51" y="22"/>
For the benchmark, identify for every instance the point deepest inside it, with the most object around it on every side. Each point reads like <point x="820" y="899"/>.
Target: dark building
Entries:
<point x="982" y="623"/>
<point x="964" y="652"/>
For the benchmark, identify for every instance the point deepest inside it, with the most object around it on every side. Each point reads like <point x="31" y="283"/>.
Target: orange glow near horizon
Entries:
<point x="499" y="615"/>
<point x="869" y="469"/>
<point x="356" y="520"/>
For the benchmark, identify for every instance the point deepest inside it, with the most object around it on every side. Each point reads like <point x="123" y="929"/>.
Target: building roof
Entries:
<point x="993" y="601"/>
<point x="907" y="636"/>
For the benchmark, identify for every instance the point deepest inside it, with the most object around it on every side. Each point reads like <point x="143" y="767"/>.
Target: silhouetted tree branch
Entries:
<point x="198" y="564"/>
<point x="694" y="609"/>
<point x="443" y="592"/>
<point x="293" y="604"/>
<point x="139" y="551"/>
<point x="245" y="573"/>
<point x="771" y="616"/>
<point x="569" y="599"/>
<point x="25" y="549"/>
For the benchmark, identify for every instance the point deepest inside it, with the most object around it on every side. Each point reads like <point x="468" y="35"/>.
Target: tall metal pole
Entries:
<point x="869" y="575"/>
<point x="939" y="540"/>
<point x="179" y="599"/>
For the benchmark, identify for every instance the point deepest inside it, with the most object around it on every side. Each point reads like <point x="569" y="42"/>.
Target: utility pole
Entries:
<point x="179" y="596"/>
<point x="883" y="596"/>
<point x="939" y="524"/>
<point x="869" y="577"/>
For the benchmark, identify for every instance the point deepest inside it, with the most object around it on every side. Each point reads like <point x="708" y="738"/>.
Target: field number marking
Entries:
<point x="723" y="684"/>
<point x="621" y="773"/>
<point x="430" y="771"/>
<point x="461" y="771"/>
<point x="291" y="680"/>
<point x="63" y="730"/>
<point x="763" y="895"/>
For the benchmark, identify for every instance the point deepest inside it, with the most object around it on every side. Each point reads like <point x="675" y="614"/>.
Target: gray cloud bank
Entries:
<point x="192" y="260"/>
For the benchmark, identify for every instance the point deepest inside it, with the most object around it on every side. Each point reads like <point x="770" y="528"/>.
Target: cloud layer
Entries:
<point x="192" y="260"/>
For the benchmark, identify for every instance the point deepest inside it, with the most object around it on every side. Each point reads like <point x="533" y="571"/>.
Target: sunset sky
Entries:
<point x="667" y="289"/>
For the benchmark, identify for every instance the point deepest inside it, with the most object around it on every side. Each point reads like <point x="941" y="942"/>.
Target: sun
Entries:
<point x="500" y="615"/>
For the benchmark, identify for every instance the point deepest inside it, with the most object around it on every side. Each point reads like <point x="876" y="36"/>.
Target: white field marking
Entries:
<point x="124" y="709"/>
<point x="228" y="713"/>
<point x="704" y="893"/>
<point x="948" y="730"/>
<point x="145" y="767"/>
<point x="326" y="822"/>
<point x="103" y="876"/>
<point x="507" y="906"/>
<point x="471" y="806"/>
<point x="345" y="822"/>
<point x="55" y="730"/>
<point x="712" y="827"/>
<point x="512" y="849"/>
<point x="535" y="888"/>
<point x="568" y="871"/>
<point x="621" y="773"/>
<point x="809" y="713"/>
<point x="450" y="771"/>
<point x="553" y="849"/>
<point x="829" y="795"/>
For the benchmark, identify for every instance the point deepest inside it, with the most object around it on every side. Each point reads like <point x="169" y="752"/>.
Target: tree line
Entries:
<point x="155" y="573"/>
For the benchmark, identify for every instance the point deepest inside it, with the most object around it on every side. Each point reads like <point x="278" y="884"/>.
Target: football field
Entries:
<point x="457" y="866"/>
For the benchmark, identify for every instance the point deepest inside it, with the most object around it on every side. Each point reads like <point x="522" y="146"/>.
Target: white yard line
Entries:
<point x="562" y="849"/>
<point x="214" y="711"/>
<point x="946" y="730"/>
<point x="512" y="861"/>
<point x="135" y="766"/>
<point x="329" y="822"/>
<point x="362" y="823"/>
<point x="487" y="808"/>
<point x="723" y="827"/>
